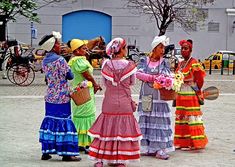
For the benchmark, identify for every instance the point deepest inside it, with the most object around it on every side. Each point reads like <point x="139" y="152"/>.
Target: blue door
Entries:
<point x="86" y="24"/>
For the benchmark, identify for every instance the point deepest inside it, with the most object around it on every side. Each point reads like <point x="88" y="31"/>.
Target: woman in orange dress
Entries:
<point x="189" y="128"/>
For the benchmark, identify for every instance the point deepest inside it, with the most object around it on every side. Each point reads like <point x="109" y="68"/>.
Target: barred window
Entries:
<point x="213" y="27"/>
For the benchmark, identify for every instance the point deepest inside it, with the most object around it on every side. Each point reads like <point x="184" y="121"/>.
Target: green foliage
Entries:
<point x="11" y="8"/>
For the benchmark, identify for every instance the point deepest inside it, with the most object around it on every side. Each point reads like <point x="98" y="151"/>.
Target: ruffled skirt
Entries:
<point x="57" y="132"/>
<point x="116" y="138"/>
<point x="156" y="128"/>
<point x="189" y="128"/>
<point x="83" y="118"/>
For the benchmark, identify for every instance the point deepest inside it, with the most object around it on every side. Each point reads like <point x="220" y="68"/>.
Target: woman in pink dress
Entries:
<point x="116" y="132"/>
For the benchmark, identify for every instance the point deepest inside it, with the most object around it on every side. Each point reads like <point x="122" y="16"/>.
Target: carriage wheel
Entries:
<point x="10" y="71"/>
<point x="24" y="75"/>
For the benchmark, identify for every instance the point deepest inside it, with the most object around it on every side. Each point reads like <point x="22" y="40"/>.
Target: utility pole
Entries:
<point x="31" y="37"/>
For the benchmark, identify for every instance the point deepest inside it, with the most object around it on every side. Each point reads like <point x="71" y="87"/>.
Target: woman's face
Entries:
<point x="158" y="51"/>
<point x="124" y="51"/>
<point x="186" y="51"/>
<point x="57" y="47"/>
<point x="82" y="51"/>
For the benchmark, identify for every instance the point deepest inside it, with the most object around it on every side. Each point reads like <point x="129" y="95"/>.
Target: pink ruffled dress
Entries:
<point x="116" y="132"/>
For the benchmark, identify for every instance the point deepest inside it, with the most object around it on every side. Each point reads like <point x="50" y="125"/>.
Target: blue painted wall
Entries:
<point x="86" y="24"/>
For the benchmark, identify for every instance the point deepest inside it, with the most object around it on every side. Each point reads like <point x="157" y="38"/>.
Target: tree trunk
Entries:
<point x="3" y="25"/>
<point x="162" y="31"/>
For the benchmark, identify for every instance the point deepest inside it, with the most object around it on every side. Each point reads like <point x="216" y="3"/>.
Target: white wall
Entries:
<point x="134" y="27"/>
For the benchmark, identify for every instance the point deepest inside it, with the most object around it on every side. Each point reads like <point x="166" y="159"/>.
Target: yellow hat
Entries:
<point x="77" y="43"/>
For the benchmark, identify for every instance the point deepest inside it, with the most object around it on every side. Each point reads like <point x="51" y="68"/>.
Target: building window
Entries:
<point x="213" y="27"/>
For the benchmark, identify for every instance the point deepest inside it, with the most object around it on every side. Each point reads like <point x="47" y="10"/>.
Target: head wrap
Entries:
<point x="160" y="39"/>
<point x="186" y="42"/>
<point x="48" y="41"/>
<point x="115" y="46"/>
<point x="77" y="43"/>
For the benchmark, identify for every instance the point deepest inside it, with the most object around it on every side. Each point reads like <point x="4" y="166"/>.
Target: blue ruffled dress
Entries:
<point x="156" y="125"/>
<point x="57" y="133"/>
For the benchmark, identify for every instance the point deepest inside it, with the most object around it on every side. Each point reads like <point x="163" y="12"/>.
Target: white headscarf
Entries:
<point x="49" y="44"/>
<point x="160" y="39"/>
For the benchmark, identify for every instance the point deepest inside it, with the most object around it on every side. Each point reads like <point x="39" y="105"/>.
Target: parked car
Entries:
<point x="216" y="59"/>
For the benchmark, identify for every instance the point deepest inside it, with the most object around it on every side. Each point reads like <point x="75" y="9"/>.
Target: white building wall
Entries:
<point x="134" y="27"/>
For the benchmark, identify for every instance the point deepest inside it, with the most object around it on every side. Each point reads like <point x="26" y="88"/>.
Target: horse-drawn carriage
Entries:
<point x="16" y="63"/>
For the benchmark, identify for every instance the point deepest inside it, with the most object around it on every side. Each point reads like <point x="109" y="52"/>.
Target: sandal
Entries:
<point x="186" y="148"/>
<point x="162" y="155"/>
<point x="177" y="147"/>
<point x="71" y="158"/>
<point x="148" y="154"/>
<point x="45" y="157"/>
<point x="98" y="164"/>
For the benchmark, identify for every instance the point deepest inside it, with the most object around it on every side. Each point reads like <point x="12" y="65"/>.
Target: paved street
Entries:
<point x="22" y="110"/>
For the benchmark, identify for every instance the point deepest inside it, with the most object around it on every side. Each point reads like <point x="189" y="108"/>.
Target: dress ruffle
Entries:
<point x="83" y="125"/>
<point x="58" y="136"/>
<point x="114" y="151"/>
<point x="57" y="133"/>
<point x="113" y="127"/>
<point x="190" y="132"/>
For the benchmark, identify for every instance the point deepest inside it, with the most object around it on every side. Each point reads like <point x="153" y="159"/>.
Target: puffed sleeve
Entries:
<point x="199" y="73"/>
<point x="81" y="65"/>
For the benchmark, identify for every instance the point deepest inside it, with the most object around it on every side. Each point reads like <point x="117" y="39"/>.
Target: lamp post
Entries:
<point x="31" y="36"/>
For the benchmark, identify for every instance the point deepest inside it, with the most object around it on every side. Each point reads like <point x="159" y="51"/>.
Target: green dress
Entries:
<point x="83" y="115"/>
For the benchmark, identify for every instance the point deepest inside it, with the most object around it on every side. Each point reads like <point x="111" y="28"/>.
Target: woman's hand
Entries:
<point x="97" y="87"/>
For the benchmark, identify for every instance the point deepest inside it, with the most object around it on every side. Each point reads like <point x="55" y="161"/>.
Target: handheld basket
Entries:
<point x="80" y="97"/>
<point x="167" y="94"/>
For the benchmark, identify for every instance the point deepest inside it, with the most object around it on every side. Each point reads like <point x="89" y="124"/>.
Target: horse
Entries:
<point x="96" y="49"/>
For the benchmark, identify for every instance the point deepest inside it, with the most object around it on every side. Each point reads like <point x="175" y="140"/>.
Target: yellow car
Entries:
<point x="216" y="60"/>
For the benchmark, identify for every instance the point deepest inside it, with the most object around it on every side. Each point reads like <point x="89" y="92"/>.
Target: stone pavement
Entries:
<point x="22" y="110"/>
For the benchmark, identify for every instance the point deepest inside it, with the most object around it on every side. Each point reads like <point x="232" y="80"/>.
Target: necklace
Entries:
<point x="186" y="63"/>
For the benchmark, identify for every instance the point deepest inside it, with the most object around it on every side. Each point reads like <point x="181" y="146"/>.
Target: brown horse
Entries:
<point x="96" y="49"/>
<point x="96" y="44"/>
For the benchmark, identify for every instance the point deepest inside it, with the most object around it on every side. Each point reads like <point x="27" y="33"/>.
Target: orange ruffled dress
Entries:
<point x="189" y="128"/>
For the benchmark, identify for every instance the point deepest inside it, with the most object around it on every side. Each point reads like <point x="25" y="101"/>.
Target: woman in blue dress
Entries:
<point x="57" y="133"/>
<point x="154" y="113"/>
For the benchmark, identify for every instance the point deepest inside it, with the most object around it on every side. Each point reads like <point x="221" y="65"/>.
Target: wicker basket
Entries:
<point x="82" y="96"/>
<point x="167" y="94"/>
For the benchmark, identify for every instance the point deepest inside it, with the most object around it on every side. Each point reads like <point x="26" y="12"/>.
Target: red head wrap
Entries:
<point x="187" y="42"/>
